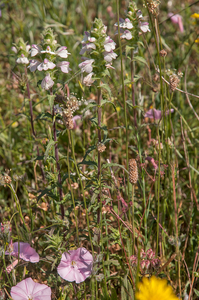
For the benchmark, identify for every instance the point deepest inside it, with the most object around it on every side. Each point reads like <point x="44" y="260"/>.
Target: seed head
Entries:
<point x="133" y="171"/>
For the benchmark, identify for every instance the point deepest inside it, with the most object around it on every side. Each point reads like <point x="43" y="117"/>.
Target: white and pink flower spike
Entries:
<point x="109" y="44"/>
<point x="64" y="66"/>
<point x="45" y="65"/>
<point x="33" y="65"/>
<point x="86" y="66"/>
<point x="76" y="265"/>
<point x="109" y="56"/>
<point x="26" y="252"/>
<point x="35" y="50"/>
<point x="62" y="52"/>
<point x="47" y="82"/>
<point x="28" y="289"/>
<point x="88" y="79"/>
<point x="22" y="60"/>
<point x="126" y="35"/>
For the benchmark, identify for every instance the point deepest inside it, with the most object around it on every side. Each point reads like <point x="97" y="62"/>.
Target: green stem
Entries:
<point x="82" y="188"/>
<point x="124" y="100"/>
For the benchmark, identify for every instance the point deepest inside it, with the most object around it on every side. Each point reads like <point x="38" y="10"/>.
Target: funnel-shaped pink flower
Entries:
<point x="176" y="19"/>
<point x="76" y="265"/>
<point x="28" y="289"/>
<point x="156" y="114"/>
<point x="26" y="252"/>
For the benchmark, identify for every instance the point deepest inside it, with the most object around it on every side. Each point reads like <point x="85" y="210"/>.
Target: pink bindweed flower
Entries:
<point x="47" y="82"/>
<point x="76" y="265"/>
<point x="27" y="289"/>
<point x="176" y="19"/>
<point x="26" y="252"/>
<point x="45" y="65"/>
<point x="33" y="65"/>
<point x="156" y="114"/>
<point x="22" y="60"/>
<point x="86" y="66"/>
<point x="88" y="79"/>
<point x="64" y="66"/>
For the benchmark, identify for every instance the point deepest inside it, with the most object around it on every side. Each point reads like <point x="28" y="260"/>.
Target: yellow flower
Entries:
<point x="155" y="289"/>
<point x="195" y="16"/>
<point x="197" y="41"/>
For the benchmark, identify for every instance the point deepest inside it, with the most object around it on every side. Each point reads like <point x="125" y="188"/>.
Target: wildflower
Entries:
<point x="126" y="35"/>
<point x="22" y="60"/>
<point x="144" y="27"/>
<point x="76" y="265"/>
<point x="155" y="289"/>
<point x="47" y="82"/>
<point x="26" y="252"/>
<point x="195" y="16"/>
<point x="46" y="65"/>
<point x="86" y="66"/>
<point x="109" y="44"/>
<point x="62" y="52"/>
<point x="125" y="23"/>
<point x="27" y="289"/>
<point x="33" y="65"/>
<point x="74" y="121"/>
<point x="109" y="56"/>
<point x="64" y="66"/>
<point x="156" y="114"/>
<point x="35" y="50"/>
<point x="176" y="19"/>
<point x="88" y="79"/>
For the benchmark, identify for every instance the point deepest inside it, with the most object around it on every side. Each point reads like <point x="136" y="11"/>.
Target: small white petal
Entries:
<point x="47" y="82"/>
<point x="33" y="65"/>
<point x="64" y="66"/>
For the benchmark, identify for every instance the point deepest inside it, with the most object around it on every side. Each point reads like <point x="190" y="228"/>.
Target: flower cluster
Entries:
<point x="69" y="106"/>
<point x="21" y="49"/>
<point x="49" y="53"/>
<point x="148" y="262"/>
<point x="76" y="265"/>
<point x="100" y="48"/>
<point x="130" y="26"/>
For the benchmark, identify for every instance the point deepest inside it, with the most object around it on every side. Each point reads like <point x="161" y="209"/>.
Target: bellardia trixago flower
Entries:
<point x="76" y="265"/>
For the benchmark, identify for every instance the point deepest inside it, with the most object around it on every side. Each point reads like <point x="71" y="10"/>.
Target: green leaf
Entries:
<point x="128" y="49"/>
<point x="104" y="101"/>
<point x="129" y="102"/>
<point x="44" y="116"/>
<point x="51" y="101"/>
<point x="114" y="165"/>
<point x="49" y="146"/>
<point x="140" y="59"/>
<point x="88" y="163"/>
<point x="196" y="292"/>
<point x="106" y="87"/>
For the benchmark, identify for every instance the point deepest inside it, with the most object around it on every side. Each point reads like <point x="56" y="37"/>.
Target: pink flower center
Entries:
<point x="73" y="263"/>
<point x="30" y="297"/>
